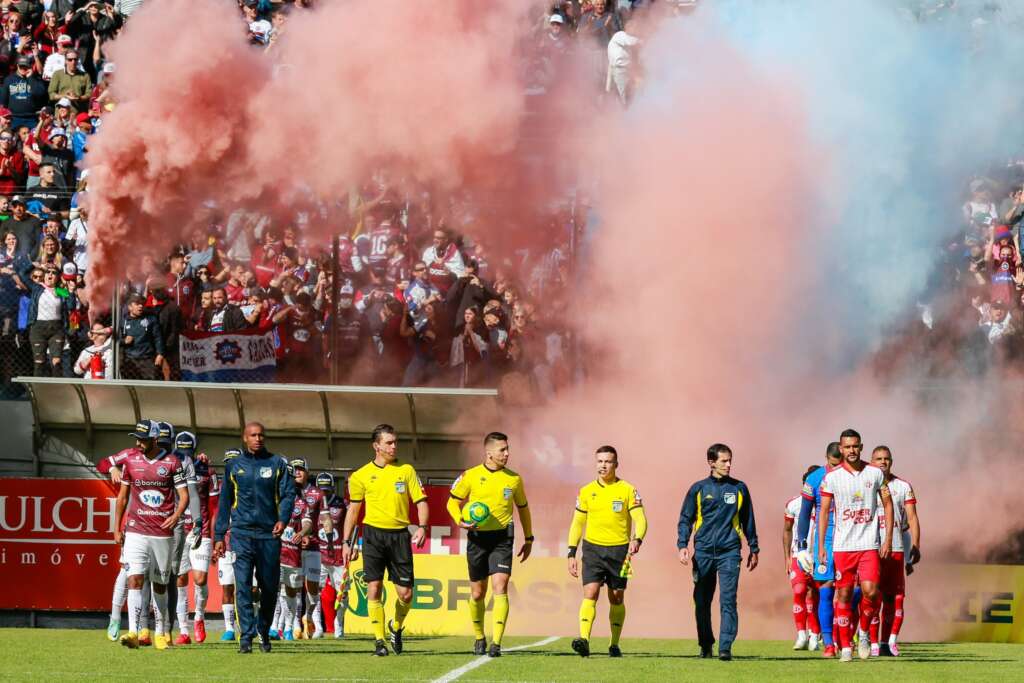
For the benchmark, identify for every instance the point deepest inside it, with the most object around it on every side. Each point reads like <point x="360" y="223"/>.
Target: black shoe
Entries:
<point x="884" y="651"/>
<point x="395" y="637"/>
<point x="264" y="644"/>
<point x="581" y="647"/>
<point x="614" y="651"/>
<point x="725" y="655"/>
<point x="380" y="649"/>
<point x="245" y="647"/>
<point x="705" y="652"/>
<point x="480" y="646"/>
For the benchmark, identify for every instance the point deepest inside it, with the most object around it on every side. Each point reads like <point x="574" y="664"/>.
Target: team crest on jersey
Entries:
<point x="617" y="506"/>
<point x="730" y="498"/>
<point x="162" y="471"/>
<point x="507" y="493"/>
<point x="266" y="472"/>
<point x="399" y="487"/>
<point x="297" y="510"/>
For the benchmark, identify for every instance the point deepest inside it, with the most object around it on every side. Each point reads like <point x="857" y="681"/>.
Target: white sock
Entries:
<point x="277" y="621"/>
<point x="162" y="618"/>
<point x="229" y="616"/>
<point x="202" y="594"/>
<point x="339" y="624"/>
<point x="312" y="603"/>
<point x="182" y="609"/>
<point x="801" y="633"/>
<point x="892" y="638"/>
<point x="290" y="611"/>
<point x="318" y="617"/>
<point x="147" y="600"/>
<point x="134" y="609"/>
<point x="120" y="590"/>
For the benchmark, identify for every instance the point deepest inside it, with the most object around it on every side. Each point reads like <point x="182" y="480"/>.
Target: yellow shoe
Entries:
<point x="298" y="634"/>
<point x="144" y="637"/>
<point x="308" y="623"/>
<point x="130" y="640"/>
<point x="160" y="641"/>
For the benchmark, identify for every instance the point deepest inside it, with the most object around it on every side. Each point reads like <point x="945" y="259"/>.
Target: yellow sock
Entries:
<point x="588" y="608"/>
<point x="476" y="616"/>
<point x="499" y="617"/>
<point x="375" y="610"/>
<point x="401" y="610"/>
<point x="616" y="617"/>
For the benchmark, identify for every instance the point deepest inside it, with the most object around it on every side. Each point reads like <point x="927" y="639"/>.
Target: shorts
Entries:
<point x="603" y="564"/>
<point x="894" y="578"/>
<point x="226" y="569"/>
<point x="121" y="561"/>
<point x="179" y="558"/>
<point x="827" y="571"/>
<point x="311" y="565"/>
<point x="335" y="573"/>
<point x="197" y="559"/>
<point x="856" y="565"/>
<point x="489" y="552"/>
<point x="148" y="555"/>
<point x="389" y="549"/>
<point x="291" y="577"/>
<point x="798" y="578"/>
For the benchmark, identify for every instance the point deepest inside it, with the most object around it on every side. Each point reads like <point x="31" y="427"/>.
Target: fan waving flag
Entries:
<point x="246" y="356"/>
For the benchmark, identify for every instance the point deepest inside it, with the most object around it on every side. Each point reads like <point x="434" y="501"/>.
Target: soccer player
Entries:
<point x="893" y="582"/>
<point x="719" y="511"/>
<point x="804" y="594"/>
<point x="299" y="526"/>
<point x="610" y="519"/>
<point x="226" y="572"/>
<point x="855" y="489"/>
<point x="149" y="479"/>
<point x="320" y="517"/>
<point x="823" y="574"/>
<point x="332" y="569"/>
<point x="385" y="486"/>
<point x="255" y="504"/>
<point x="489" y="547"/>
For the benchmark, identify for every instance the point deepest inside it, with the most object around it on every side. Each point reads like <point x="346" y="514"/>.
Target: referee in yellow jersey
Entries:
<point x="608" y="507"/>
<point x="386" y="487"/>
<point x="489" y="548"/>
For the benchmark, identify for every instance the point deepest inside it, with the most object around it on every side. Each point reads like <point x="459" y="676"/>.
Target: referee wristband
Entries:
<point x="572" y="551"/>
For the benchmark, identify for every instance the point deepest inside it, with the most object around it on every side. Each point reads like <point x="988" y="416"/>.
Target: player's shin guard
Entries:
<point x="134" y="609"/>
<point x="844" y="625"/>
<point x="181" y="608"/>
<point x="476" y="616"/>
<point x="202" y="595"/>
<point x="375" y="610"/>
<point x="402" y="611"/>
<point x="825" y="608"/>
<point x="499" y="617"/>
<point x="120" y="592"/>
<point x="616" y="618"/>
<point x="588" y="609"/>
<point x="897" y="618"/>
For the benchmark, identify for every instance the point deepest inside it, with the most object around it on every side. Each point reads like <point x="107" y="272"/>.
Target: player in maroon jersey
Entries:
<point x="292" y="574"/>
<point x="319" y="515"/>
<point x="332" y="569"/>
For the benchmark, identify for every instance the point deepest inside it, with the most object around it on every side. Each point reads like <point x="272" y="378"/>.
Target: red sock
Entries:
<point x="799" y="611"/>
<point x="888" y="612"/>
<point x="873" y="629"/>
<point x="844" y="625"/>
<point x="897" y="615"/>
<point x="812" y="611"/>
<point x="867" y="613"/>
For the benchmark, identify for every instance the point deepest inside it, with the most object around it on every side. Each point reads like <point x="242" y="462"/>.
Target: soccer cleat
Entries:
<point x="130" y="640"/>
<point x="864" y="646"/>
<point x="183" y="639"/>
<point x="847" y="655"/>
<point x="494" y="650"/>
<point x="614" y="651"/>
<point x="813" y="642"/>
<point x="380" y="649"/>
<point x="801" y="641"/>
<point x="274" y="634"/>
<point x="289" y="634"/>
<point x="144" y="638"/>
<point x="706" y="653"/>
<point x="265" y="644"/>
<point x="725" y="655"/>
<point x="245" y="648"/>
<point x="581" y="647"/>
<point x="298" y="633"/>
<point x="480" y="646"/>
<point x="200" y="629"/>
<point x="395" y="636"/>
<point x="829" y="652"/>
<point x="894" y="649"/>
<point x="308" y="628"/>
<point x="113" y="628"/>
<point x="227" y="636"/>
<point x="318" y="634"/>
<point x="876" y="651"/>
<point x="160" y="641"/>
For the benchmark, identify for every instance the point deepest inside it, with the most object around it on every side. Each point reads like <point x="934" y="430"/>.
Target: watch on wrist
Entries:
<point x="528" y="539"/>
<point x="572" y="552"/>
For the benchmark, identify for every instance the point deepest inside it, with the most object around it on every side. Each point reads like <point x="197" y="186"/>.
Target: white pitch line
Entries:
<point x="455" y="674"/>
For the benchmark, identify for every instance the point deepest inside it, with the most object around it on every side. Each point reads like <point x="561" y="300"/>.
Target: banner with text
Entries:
<point x="227" y="357"/>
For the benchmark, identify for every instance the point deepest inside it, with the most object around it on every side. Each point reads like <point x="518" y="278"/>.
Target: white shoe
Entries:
<point x="801" y="640"/>
<point x="875" y="650"/>
<point x="864" y="645"/>
<point x="813" y="641"/>
<point x="317" y="634"/>
<point x="847" y="655"/>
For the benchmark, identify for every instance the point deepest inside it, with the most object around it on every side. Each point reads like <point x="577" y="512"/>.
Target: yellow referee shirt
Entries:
<point x="607" y="510"/>
<point x="498" y="490"/>
<point x="387" y="491"/>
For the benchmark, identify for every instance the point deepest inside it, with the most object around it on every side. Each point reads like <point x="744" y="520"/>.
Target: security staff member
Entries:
<point x="256" y="502"/>
<point x="489" y="546"/>
<point x="718" y="510"/>
<point x="386" y="486"/>
<point x="613" y="514"/>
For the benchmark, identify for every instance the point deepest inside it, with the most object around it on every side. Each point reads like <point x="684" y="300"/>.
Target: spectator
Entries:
<point x="222" y="316"/>
<point x="12" y="261"/>
<point x="142" y="342"/>
<point x="49" y="253"/>
<point x="199" y="312"/>
<point x="621" y="65"/>
<point x="50" y="31"/>
<point x="76" y="241"/>
<point x="169" y="317"/>
<point x="444" y="261"/>
<point x="22" y="224"/>
<point x="91" y="26"/>
<point x="58" y="58"/>
<point x="56" y="153"/>
<point x="428" y="347"/>
<point x="51" y="198"/>
<point x="126" y="7"/>
<point x="300" y="339"/>
<point x="80" y="139"/>
<point x="13" y="168"/>
<point x="48" y="323"/>
<point x="180" y="287"/>
<point x="420" y="290"/>
<point x="96" y="361"/>
<point x="469" y="351"/>
<point x="996" y="322"/>
<point x="24" y="94"/>
<point x="352" y="333"/>
<point x="71" y="84"/>
<point x="469" y="291"/>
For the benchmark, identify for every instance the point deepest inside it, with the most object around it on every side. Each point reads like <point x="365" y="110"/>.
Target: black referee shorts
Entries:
<point x="603" y="563"/>
<point x="489" y="552"/>
<point x="389" y="549"/>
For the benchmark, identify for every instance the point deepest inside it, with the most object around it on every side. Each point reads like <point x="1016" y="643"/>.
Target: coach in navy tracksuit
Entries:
<point x="256" y="501"/>
<point x="718" y="511"/>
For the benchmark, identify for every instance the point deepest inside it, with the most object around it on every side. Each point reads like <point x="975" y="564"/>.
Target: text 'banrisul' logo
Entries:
<point x="227" y="351"/>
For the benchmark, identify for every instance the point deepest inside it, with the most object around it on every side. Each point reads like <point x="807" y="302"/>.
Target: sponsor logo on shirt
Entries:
<point x="151" y="498"/>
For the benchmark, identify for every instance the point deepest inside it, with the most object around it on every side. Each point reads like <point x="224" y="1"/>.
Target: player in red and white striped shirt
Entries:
<point x="855" y="488"/>
<point x="904" y="549"/>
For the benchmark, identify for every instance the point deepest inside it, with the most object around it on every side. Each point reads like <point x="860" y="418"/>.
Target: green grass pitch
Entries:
<point x="67" y="655"/>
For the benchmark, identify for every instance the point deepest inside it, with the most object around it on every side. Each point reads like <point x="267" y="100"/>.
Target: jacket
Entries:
<point x="67" y="304"/>
<point x="256" y="494"/>
<point x="718" y="512"/>
<point x="147" y="337"/>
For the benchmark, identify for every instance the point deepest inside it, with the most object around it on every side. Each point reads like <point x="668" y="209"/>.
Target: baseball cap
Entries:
<point x="185" y="441"/>
<point x="146" y="429"/>
<point x="83" y="118"/>
<point x="325" y="480"/>
<point x="57" y="133"/>
<point x="69" y="271"/>
<point x="4" y="111"/>
<point x="64" y="39"/>
<point x="25" y="60"/>
<point x="165" y="432"/>
<point x="18" y="199"/>
<point x="64" y="102"/>
<point x="298" y="464"/>
<point x="231" y="453"/>
<point x="556" y="19"/>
